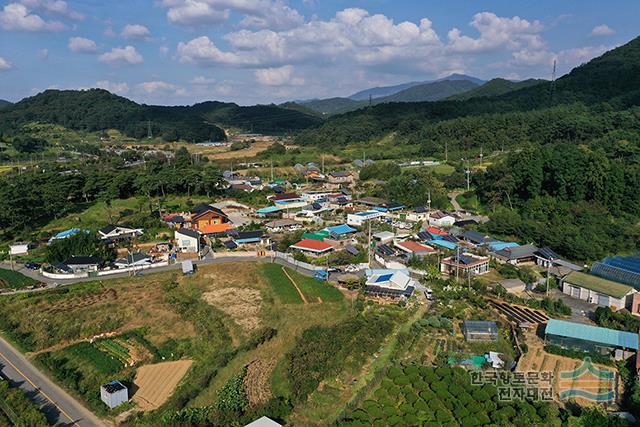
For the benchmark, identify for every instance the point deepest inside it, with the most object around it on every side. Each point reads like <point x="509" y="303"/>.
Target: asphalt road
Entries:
<point x="59" y="408"/>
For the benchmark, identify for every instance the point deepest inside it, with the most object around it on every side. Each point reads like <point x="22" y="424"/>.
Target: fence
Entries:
<point x="298" y="264"/>
<point x="133" y="269"/>
<point x="65" y="276"/>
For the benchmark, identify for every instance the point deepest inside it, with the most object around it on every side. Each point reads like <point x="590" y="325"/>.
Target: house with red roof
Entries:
<point x="312" y="246"/>
<point x="412" y="248"/>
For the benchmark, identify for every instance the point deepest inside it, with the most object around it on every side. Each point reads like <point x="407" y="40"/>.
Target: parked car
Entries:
<point x="428" y="293"/>
<point x="32" y="265"/>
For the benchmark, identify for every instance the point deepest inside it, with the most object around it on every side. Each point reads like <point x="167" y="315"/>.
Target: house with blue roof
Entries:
<point x="66" y="234"/>
<point x="588" y="338"/>
<point x="340" y="231"/>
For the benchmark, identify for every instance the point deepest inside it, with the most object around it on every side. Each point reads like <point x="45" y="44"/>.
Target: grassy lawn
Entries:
<point x="442" y="169"/>
<point x="14" y="280"/>
<point x="314" y="289"/>
<point x="280" y="284"/>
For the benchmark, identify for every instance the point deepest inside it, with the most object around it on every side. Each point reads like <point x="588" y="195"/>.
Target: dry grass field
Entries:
<point x="155" y="383"/>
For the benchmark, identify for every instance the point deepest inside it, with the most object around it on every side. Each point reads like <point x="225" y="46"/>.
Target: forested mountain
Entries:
<point x="333" y="105"/>
<point x="4" y="104"/>
<point x="495" y="87"/>
<point x="378" y="92"/>
<point x="416" y="93"/>
<point x="582" y="105"/>
<point x="430" y="91"/>
<point x="96" y="110"/>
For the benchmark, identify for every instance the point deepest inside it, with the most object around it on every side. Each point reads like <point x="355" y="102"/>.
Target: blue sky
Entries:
<point x="262" y="51"/>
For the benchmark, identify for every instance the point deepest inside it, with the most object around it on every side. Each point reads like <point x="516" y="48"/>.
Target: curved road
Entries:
<point x="57" y="405"/>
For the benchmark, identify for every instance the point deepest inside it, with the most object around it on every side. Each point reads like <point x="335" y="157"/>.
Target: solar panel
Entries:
<point x="423" y="235"/>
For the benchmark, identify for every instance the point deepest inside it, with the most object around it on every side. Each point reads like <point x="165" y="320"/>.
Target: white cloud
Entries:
<point x="202" y="81"/>
<point x="160" y="88"/>
<point x="16" y="17"/>
<point x="602" y="30"/>
<point x="163" y="50"/>
<point x="194" y="13"/>
<point x="5" y="65"/>
<point x="82" y="45"/>
<point x="274" y="14"/>
<point x="281" y="76"/>
<point x="135" y="31"/>
<point x="121" y="55"/>
<point x="121" y="88"/>
<point x="497" y="33"/>
<point x="59" y="7"/>
<point x="202" y="50"/>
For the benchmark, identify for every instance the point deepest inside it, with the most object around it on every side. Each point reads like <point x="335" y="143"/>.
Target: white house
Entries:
<point x="82" y="264"/>
<point x="419" y="214"/>
<point x="19" y="248"/>
<point x="114" y="394"/>
<point x="391" y="283"/>
<point x="280" y="225"/>
<point x="441" y="219"/>
<point x="360" y="218"/>
<point x="116" y="232"/>
<point x="134" y="260"/>
<point x="187" y="240"/>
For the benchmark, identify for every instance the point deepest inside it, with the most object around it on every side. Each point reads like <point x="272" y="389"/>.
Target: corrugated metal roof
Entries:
<point x="341" y="229"/>
<point x="593" y="333"/>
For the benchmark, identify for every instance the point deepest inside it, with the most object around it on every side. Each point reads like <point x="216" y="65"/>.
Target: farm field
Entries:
<point x="423" y="395"/>
<point x="536" y="359"/>
<point x="226" y="318"/>
<point x="155" y="383"/>
<point x="13" y="280"/>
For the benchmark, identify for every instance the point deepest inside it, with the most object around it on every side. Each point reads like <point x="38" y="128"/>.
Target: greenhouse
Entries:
<point x="480" y="330"/>
<point x="621" y="269"/>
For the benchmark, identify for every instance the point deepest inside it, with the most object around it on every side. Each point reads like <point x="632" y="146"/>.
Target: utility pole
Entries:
<point x="481" y="155"/>
<point x="272" y="169"/>
<point x="468" y="173"/>
<point x="553" y="82"/>
<point x="322" y="157"/>
<point x="149" y="133"/>
<point x="369" y="244"/>
<point x="446" y="151"/>
<point x="549" y="273"/>
<point x="370" y="100"/>
<point x="429" y="201"/>
<point x="457" y="263"/>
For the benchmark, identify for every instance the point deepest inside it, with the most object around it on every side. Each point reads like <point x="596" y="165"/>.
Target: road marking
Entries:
<point x="39" y="390"/>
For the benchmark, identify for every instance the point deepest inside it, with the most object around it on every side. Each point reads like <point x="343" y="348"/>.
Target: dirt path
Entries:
<point x="304" y="299"/>
<point x="454" y="202"/>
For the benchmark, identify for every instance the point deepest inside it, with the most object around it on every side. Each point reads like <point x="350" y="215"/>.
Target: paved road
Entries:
<point x="53" y="283"/>
<point x="59" y="408"/>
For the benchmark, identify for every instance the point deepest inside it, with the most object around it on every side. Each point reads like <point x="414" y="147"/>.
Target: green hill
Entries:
<point x="495" y="87"/>
<point x="97" y="110"/>
<point x="430" y="91"/>
<point x="4" y="104"/>
<point x="333" y="105"/>
<point x="572" y="110"/>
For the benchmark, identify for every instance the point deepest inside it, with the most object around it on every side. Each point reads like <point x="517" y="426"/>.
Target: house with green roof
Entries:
<point x="597" y="290"/>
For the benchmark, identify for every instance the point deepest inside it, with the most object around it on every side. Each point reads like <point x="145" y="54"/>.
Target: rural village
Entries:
<point x="262" y="213"/>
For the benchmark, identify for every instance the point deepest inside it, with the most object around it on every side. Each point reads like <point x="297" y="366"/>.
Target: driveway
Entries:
<point x="581" y="311"/>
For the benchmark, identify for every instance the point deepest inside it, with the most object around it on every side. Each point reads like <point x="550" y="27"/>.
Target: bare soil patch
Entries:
<point x="257" y="383"/>
<point x="156" y="383"/>
<point x="241" y="304"/>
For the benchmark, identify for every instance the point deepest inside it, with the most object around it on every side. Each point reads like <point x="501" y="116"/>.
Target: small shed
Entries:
<point x="480" y="330"/>
<point x="114" y="394"/>
<point x="187" y="267"/>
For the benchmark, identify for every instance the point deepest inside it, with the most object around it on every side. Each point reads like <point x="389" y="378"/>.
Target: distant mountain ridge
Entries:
<point x="378" y="92"/>
<point x="4" y="104"/>
<point x="418" y="92"/>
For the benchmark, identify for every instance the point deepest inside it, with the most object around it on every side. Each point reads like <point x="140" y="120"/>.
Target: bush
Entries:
<point x="394" y="372"/>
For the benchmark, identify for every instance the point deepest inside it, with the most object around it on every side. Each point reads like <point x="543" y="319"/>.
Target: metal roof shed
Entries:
<point x="594" y="334"/>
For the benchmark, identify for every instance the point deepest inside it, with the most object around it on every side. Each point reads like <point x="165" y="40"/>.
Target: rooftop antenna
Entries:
<point x="553" y="81"/>
<point x="149" y="133"/>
